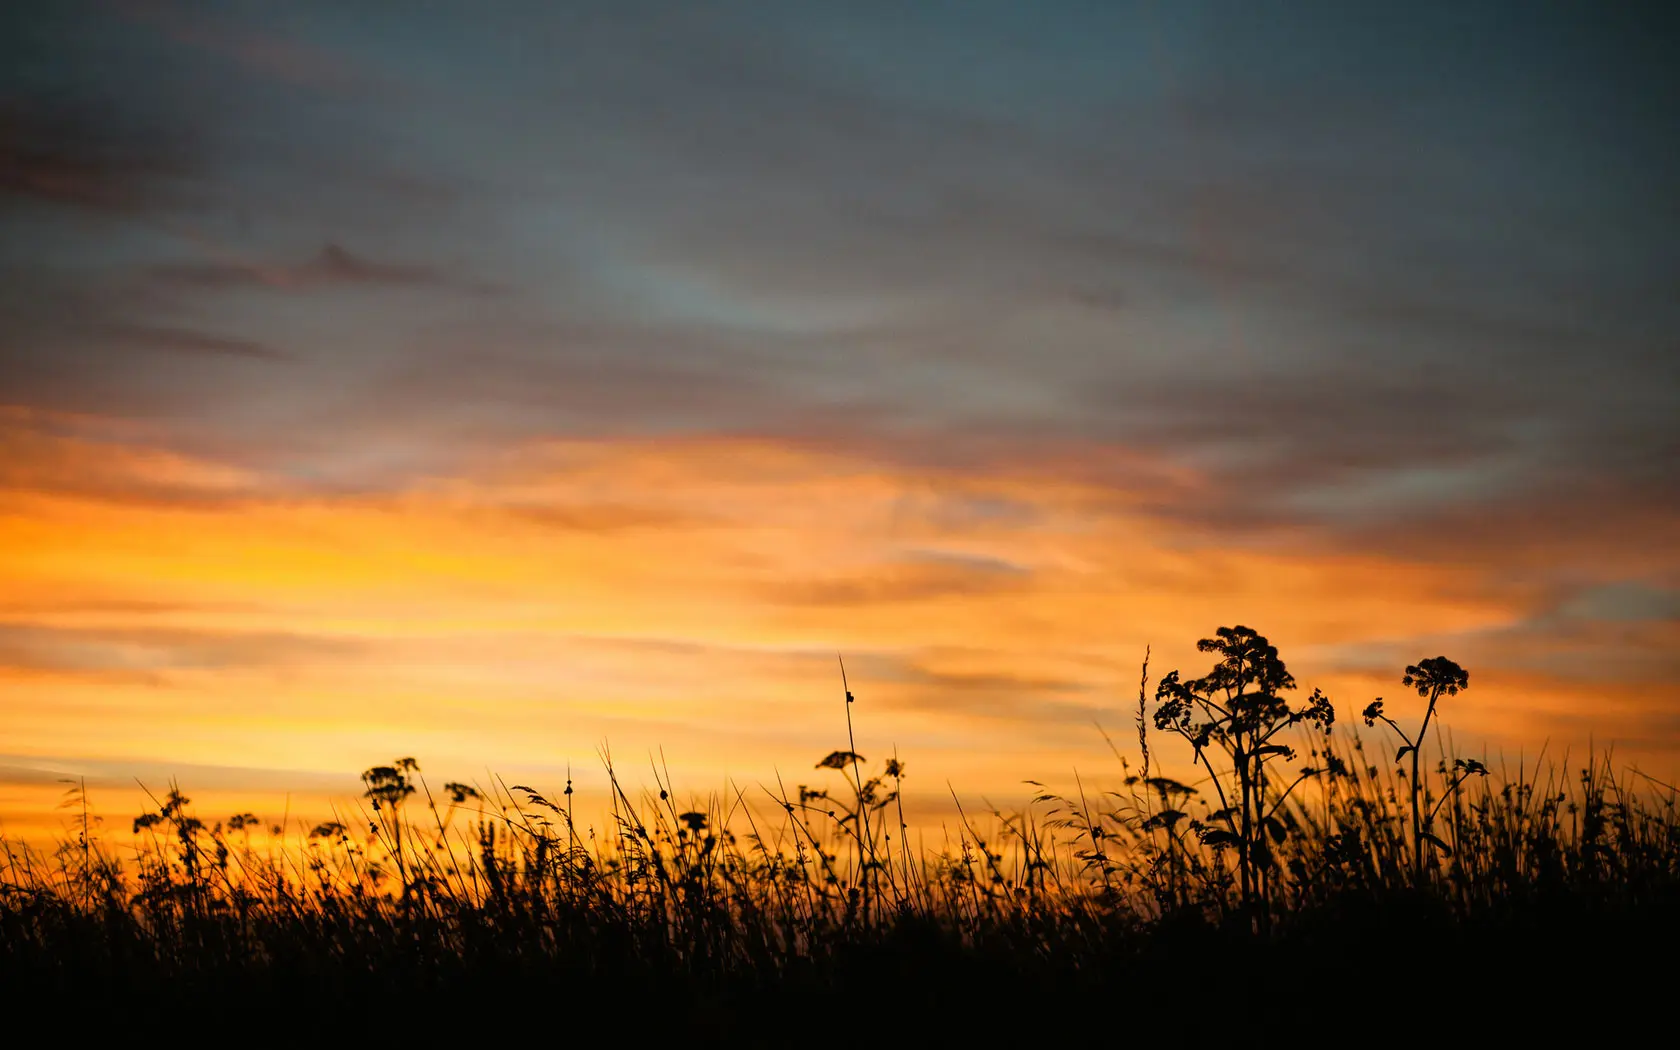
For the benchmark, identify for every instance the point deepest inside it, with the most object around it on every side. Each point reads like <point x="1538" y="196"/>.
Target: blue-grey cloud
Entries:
<point x="332" y="266"/>
<point x="1377" y="273"/>
<point x="186" y="341"/>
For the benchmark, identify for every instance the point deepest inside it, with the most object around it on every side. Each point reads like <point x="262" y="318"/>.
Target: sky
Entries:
<point x="493" y="382"/>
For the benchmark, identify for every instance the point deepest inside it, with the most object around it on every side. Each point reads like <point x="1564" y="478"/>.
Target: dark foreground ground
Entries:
<point x="1398" y="972"/>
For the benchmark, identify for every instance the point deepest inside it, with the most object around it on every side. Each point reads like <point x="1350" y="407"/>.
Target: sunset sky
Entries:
<point x="486" y="383"/>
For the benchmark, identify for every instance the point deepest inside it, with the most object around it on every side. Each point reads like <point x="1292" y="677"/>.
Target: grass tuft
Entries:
<point x="1302" y="853"/>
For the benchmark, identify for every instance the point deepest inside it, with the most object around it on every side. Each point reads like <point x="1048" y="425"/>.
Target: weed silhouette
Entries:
<point x="738" y="912"/>
<point x="1237" y="707"/>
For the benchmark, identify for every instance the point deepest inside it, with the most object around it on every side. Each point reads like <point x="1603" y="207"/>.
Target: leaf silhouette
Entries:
<point x="1276" y="828"/>
<point x="840" y="760"/>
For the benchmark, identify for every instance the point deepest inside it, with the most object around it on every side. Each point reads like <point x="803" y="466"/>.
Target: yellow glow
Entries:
<point x="687" y="594"/>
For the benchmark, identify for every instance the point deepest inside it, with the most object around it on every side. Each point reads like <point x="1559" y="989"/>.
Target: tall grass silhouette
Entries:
<point x="1301" y="844"/>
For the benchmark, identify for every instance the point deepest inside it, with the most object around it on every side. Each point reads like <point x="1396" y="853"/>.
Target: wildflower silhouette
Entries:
<point x="1237" y="706"/>
<point x="387" y="788"/>
<point x="1432" y="678"/>
<point x="460" y="793"/>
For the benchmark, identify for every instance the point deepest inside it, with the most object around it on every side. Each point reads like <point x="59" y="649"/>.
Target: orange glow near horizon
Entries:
<point x="163" y="611"/>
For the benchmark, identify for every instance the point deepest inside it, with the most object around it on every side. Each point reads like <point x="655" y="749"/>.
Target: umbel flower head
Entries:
<point x="1436" y="677"/>
<point x="390" y="784"/>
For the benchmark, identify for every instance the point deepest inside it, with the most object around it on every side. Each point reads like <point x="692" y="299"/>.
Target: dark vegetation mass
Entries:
<point x="1306" y="876"/>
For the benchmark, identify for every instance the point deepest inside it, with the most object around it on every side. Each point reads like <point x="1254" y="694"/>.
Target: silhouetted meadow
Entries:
<point x="1311" y="871"/>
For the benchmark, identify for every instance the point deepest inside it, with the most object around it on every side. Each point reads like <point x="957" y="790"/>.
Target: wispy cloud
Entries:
<point x="903" y="582"/>
<point x="81" y="457"/>
<point x="85" y="155"/>
<point x="332" y="266"/>
<point x="146" y="653"/>
<point x="187" y="342"/>
<point x="265" y="52"/>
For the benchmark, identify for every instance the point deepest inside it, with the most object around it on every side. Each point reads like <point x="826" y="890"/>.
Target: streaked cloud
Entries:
<point x="81" y="155"/>
<point x="188" y="342"/>
<point x="148" y="651"/>
<point x="331" y="266"/>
